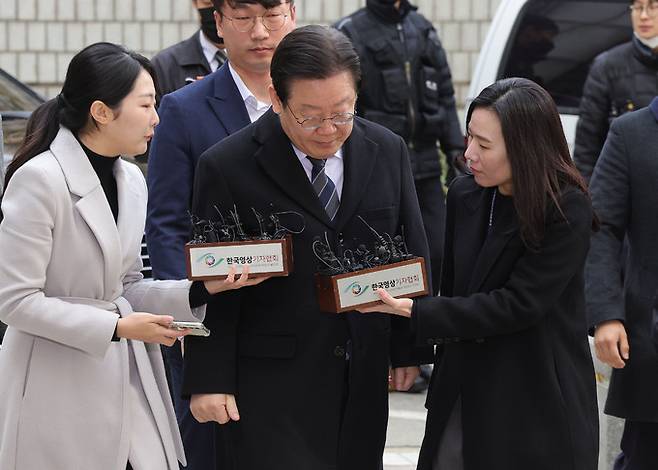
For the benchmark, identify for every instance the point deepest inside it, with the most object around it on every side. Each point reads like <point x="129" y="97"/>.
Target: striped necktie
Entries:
<point x="324" y="187"/>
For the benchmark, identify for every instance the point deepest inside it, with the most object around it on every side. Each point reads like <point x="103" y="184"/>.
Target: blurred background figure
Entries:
<point x="193" y="58"/>
<point x="622" y="79"/>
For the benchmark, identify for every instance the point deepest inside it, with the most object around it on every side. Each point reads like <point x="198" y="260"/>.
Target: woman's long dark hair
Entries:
<point x="536" y="148"/>
<point x="104" y="72"/>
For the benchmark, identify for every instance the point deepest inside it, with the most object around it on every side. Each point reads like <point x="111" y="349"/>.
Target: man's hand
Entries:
<point x="611" y="343"/>
<point x="403" y="377"/>
<point x="217" y="407"/>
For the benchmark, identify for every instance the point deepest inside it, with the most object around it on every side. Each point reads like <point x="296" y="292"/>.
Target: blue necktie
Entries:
<point x="324" y="187"/>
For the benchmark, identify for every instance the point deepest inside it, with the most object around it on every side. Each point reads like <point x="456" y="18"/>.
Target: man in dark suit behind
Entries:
<point x="192" y="119"/>
<point x="192" y="59"/>
<point x="624" y="197"/>
<point x="300" y="388"/>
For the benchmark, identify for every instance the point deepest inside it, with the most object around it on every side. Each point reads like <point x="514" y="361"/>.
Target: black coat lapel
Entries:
<point x="505" y="226"/>
<point x="468" y="236"/>
<point x="359" y="160"/>
<point x="278" y="160"/>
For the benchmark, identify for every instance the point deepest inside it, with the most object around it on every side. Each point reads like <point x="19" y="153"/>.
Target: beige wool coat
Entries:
<point x="67" y="272"/>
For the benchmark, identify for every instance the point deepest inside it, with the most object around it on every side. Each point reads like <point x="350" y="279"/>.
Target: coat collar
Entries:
<point x="277" y="158"/>
<point x="477" y="252"/>
<point x="654" y="108"/>
<point x="226" y="102"/>
<point x="92" y="204"/>
<point x="191" y="52"/>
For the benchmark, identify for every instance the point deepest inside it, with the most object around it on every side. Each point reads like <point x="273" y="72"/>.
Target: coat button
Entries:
<point x="339" y="351"/>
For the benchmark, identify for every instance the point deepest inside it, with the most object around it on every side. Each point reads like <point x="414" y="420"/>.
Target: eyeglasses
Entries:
<point x="272" y="21"/>
<point x="310" y="124"/>
<point x="650" y="8"/>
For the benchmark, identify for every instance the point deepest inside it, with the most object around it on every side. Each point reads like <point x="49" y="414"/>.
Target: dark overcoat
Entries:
<point x="625" y="197"/>
<point x="302" y="404"/>
<point x="511" y="328"/>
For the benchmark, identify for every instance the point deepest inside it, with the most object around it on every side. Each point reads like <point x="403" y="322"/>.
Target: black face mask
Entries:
<point x="208" y="25"/>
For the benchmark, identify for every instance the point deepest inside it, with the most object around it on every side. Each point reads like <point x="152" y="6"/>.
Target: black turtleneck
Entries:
<point x="104" y="168"/>
<point x="385" y="9"/>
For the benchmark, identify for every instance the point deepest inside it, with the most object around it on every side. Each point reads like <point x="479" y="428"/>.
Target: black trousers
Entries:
<point x="433" y="210"/>
<point x="639" y="447"/>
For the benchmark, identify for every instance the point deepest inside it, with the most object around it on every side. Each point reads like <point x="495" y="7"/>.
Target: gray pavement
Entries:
<point x="407" y="424"/>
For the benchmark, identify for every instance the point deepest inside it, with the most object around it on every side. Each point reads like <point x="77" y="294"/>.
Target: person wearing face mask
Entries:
<point x="622" y="79"/>
<point x="193" y="58"/>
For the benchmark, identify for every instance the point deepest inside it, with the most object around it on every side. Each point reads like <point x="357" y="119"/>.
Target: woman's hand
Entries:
<point x="391" y="305"/>
<point x="230" y="283"/>
<point x="149" y="328"/>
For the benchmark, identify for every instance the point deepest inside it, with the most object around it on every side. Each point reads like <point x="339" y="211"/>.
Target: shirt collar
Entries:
<point x="246" y="94"/>
<point x="208" y="48"/>
<point x="302" y="156"/>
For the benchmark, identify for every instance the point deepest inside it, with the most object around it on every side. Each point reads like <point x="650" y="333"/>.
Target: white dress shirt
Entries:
<point x="209" y="51"/>
<point x="254" y="107"/>
<point x="333" y="168"/>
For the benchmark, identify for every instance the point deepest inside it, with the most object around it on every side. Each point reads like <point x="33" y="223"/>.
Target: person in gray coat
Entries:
<point x="83" y="385"/>
<point x="620" y="309"/>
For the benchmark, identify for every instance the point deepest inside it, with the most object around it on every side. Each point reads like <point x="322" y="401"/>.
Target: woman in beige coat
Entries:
<point x="82" y="382"/>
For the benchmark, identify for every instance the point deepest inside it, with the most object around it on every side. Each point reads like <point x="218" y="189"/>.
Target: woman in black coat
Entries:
<point x="513" y="385"/>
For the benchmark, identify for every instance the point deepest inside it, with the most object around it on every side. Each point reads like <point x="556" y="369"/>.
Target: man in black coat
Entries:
<point x="407" y="87"/>
<point x="302" y="388"/>
<point x="191" y="59"/>
<point x="624" y="197"/>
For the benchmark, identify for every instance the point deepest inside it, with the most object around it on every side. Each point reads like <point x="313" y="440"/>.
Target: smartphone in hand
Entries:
<point x="196" y="327"/>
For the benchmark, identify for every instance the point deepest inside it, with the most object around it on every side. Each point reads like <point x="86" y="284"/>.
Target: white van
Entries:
<point x="519" y="44"/>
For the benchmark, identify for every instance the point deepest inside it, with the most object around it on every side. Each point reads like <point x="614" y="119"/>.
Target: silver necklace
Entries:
<point x="491" y="211"/>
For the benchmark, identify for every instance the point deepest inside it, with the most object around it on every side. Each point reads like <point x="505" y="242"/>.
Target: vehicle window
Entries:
<point x="15" y="98"/>
<point x="555" y="42"/>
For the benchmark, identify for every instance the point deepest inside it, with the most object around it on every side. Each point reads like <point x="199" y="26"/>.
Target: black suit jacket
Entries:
<point x="512" y="327"/>
<point x="624" y="194"/>
<point x="179" y="65"/>
<point x="301" y="405"/>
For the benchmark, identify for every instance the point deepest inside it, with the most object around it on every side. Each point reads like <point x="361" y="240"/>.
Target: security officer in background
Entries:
<point x="193" y="58"/>
<point x="407" y="88"/>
